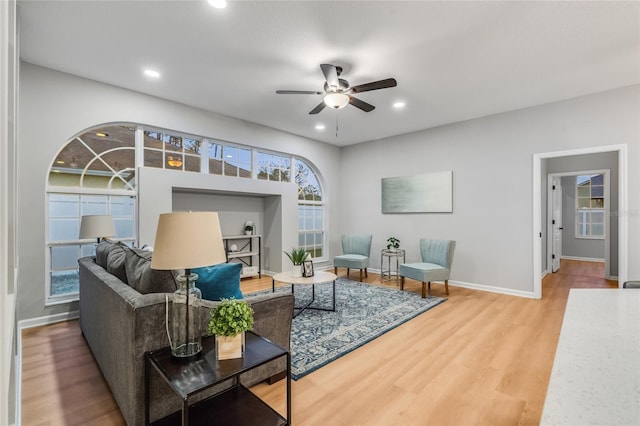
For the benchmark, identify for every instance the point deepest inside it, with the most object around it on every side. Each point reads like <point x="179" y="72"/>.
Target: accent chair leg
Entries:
<point x="335" y="270"/>
<point x="401" y="283"/>
<point x="365" y="273"/>
<point x="348" y="271"/>
<point x="360" y="275"/>
<point x="424" y="289"/>
<point x="429" y="287"/>
<point x="446" y="286"/>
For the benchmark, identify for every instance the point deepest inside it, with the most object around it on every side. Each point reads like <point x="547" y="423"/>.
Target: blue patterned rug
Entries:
<point x="363" y="313"/>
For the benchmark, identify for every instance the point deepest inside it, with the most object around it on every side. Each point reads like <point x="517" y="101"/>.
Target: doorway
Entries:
<point x="540" y="233"/>
<point x="577" y="220"/>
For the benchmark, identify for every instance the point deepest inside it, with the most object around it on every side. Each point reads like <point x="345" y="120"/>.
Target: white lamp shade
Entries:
<point x="188" y="240"/>
<point x="97" y="226"/>
<point x="336" y="100"/>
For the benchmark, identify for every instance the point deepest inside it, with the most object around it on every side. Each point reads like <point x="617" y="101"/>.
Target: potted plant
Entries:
<point x="248" y="229"/>
<point x="297" y="256"/>
<point x="229" y="321"/>
<point x="393" y="244"/>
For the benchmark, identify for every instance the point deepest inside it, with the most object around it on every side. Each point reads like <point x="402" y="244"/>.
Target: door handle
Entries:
<point x="561" y="228"/>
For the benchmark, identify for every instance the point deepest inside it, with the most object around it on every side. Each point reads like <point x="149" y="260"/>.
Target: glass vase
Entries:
<point x="186" y="340"/>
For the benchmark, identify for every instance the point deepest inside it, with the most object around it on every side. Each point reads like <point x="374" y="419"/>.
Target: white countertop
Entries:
<point x="596" y="372"/>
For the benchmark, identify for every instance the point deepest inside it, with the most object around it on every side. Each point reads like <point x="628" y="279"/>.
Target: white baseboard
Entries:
<point x="583" y="259"/>
<point x="544" y="273"/>
<point x="492" y="289"/>
<point x="46" y="320"/>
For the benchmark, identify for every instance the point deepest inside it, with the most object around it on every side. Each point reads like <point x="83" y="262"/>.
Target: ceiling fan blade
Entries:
<point x="375" y="85"/>
<point x="330" y="74"/>
<point x="319" y="108"/>
<point x="298" y="92"/>
<point x="361" y="104"/>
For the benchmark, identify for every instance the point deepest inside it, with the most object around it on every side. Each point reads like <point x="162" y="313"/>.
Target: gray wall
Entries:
<point x="54" y="107"/>
<point x="606" y="160"/>
<point x="572" y="246"/>
<point x="491" y="159"/>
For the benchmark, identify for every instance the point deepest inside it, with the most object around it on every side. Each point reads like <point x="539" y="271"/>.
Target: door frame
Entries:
<point x="623" y="220"/>
<point x="607" y="207"/>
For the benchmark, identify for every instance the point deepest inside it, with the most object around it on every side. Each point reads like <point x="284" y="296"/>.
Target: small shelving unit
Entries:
<point x="248" y="252"/>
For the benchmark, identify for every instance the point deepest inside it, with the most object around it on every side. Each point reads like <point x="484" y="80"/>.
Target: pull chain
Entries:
<point x="336" y="125"/>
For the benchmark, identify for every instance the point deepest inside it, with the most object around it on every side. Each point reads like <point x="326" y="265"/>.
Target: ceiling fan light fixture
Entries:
<point x="336" y="100"/>
<point x="218" y="4"/>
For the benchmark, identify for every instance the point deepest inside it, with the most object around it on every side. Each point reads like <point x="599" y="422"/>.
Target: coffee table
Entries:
<point x="320" y="277"/>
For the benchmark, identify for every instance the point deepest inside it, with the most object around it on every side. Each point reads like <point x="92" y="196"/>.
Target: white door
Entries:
<point x="556" y="224"/>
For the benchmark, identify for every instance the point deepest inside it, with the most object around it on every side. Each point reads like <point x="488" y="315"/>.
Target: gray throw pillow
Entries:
<point x="102" y="252"/>
<point x="142" y="278"/>
<point x="116" y="262"/>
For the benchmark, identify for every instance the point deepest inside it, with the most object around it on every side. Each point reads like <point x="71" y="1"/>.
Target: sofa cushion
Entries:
<point x="142" y="278"/>
<point x="102" y="252"/>
<point x="116" y="262"/>
<point x="219" y="281"/>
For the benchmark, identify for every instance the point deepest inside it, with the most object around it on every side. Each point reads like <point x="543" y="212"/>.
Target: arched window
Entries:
<point x="94" y="173"/>
<point x="311" y="210"/>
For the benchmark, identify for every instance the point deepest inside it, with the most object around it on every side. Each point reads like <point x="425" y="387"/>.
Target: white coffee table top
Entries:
<point x="319" y="277"/>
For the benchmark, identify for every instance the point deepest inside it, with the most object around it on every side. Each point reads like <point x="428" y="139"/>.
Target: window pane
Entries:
<point x="215" y="150"/>
<point x="583" y="192"/>
<point x="174" y="162"/>
<point x="64" y="282"/>
<point x="121" y="206"/>
<point x="152" y="139"/>
<point x="94" y="204"/>
<point x="124" y="227"/>
<point x="597" y="217"/>
<point x="153" y="158"/>
<point x="301" y="239"/>
<point x="192" y="163"/>
<point x="63" y="205"/>
<point x="192" y="146"/>
<point x="597" y="191"/>
<point x="597" y="203"/>
<point x="64" y="257"/>
<point x="583" y="202"/>
<point x="597" y="229"/>
<point x="64" y="229"/>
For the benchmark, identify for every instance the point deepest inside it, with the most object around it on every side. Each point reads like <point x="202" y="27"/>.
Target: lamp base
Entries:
<point x="188" y="352"/>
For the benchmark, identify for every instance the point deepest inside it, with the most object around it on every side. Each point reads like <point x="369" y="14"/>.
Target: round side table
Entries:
<point x="390" y="254"/>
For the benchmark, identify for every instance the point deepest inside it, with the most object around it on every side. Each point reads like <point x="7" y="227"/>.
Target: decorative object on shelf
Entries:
<point x="393" y="244"/>
<point x="229" y="320"/>
<point x="96" y="226"/>
<point x="183" y="241"/>
<point x="307" y="269"/>
<point x="234" y="247"/>
<point x="297" y="256"/>
<point x="249" y="228"/>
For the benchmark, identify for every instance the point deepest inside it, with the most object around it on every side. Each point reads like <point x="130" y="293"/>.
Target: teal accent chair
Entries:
<point x="356" y="249"/>
<point x="437" y="257"/>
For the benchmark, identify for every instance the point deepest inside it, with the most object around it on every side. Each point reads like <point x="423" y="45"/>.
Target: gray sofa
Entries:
<point x="120" y="324"/>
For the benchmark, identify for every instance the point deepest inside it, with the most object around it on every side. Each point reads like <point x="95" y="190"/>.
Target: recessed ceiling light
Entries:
<point x="319" y="126"/>
<point x="218" y="4"/>
<point x="152" y="73"/>
<point x="102" y="134"/>
<point x="399" y="104"/>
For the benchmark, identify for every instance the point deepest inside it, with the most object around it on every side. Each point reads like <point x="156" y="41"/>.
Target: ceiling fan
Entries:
<point x="337" y="92"/>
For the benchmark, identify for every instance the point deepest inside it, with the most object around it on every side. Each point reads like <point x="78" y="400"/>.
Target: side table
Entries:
<point x="389" y="254"/>
<point x="233" y="406"/>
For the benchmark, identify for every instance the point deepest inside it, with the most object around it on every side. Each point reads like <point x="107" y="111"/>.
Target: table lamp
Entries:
<point x="187" y="240"/>
<point x="96" y="226"/>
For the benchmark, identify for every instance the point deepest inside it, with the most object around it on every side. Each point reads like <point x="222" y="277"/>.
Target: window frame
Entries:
<point x="588" y="211"/>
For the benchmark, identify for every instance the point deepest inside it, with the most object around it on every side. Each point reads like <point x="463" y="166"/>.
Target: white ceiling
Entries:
<point x="453" y="60"/>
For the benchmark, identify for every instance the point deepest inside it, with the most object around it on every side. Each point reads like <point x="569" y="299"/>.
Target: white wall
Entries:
<point x="491" y="159"/>
<point x="156" y="192"/>
<point x="8" y="143"/>
<point x="55" y="106"/>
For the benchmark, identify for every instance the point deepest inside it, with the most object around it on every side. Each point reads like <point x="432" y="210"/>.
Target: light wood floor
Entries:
<point x="479" y="358"/>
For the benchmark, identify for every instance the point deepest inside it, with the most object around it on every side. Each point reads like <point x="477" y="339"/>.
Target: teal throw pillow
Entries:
<point x="219" y="281"/>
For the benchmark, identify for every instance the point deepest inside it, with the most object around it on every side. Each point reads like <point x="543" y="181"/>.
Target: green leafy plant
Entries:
<point x="230" y="317"/>
<point x="297" y="255"/>
<point x="248" y="228"/>
<point x="393" y="242"/>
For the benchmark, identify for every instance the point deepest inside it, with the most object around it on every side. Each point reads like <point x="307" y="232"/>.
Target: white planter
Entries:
<point x="296" y="272"/>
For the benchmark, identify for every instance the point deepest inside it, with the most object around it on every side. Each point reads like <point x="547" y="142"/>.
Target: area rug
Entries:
<point x="363" y="313"/>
